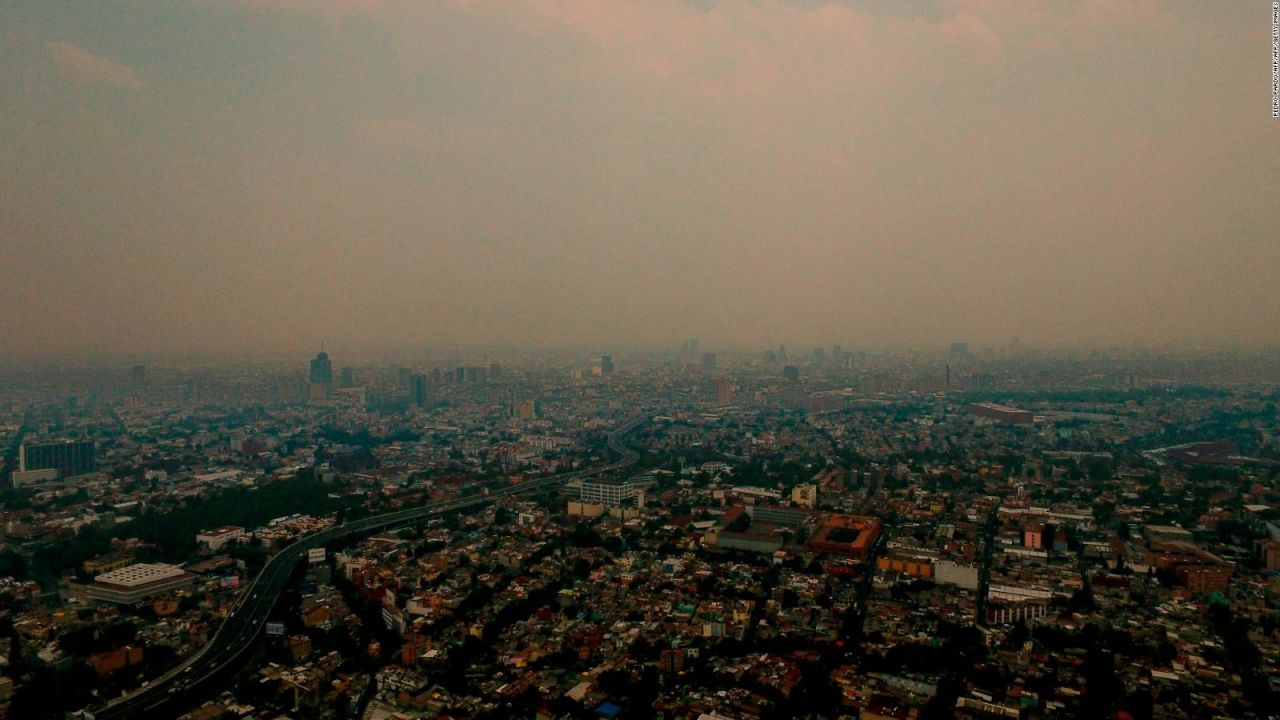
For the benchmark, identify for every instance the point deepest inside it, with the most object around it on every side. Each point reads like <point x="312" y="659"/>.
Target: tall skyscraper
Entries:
<point x="709" y="362"/>
<point x="348" y="377"/>
<point x="606" y="364"/>
<point x="321" y="369"/>
<point x="420" y="390"/>
<point x="791" y="373"/>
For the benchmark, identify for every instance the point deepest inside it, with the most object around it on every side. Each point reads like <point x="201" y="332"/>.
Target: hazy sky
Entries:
<point x="260" y="175"/>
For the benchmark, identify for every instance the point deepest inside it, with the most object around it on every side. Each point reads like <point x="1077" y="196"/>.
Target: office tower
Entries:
<point x="460" y="375"/>
<point x="770" y="356"/>
<point x="693" y="346"/>
<point x="782" y="353"/>
<point x="606" y="364"/>
<point x="495" y="371"/>
<point x="420" y="390"/>
<point x="138" y="374"/>
<point x="321" y="370"/>
<point x="437" y="377"/>
<point x="819" y="356"/>
<point x="791" y="373"/>
<point x="724" y="393"/>
<point x="69" y="458"/>
<point x="837" y="355"/>
<point x="474" y="374"/>
<point x="709" y="362"/>
<point x="348" y="377"/>
<point x="404" y="376"/>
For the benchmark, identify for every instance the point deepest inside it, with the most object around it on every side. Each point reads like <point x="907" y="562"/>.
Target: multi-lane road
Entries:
<point x="228" y="649"/>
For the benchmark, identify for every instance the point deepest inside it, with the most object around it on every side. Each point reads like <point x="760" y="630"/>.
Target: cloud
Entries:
<point x="82" y="66"/>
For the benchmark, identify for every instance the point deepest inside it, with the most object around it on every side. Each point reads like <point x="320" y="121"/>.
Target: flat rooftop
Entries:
<point x="140" y="574"/>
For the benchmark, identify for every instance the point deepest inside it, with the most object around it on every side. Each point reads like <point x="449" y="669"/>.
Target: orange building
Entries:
<point x="834" y="531"/>
<point x="1033" y="535"/>
<point x="913" y="567"/>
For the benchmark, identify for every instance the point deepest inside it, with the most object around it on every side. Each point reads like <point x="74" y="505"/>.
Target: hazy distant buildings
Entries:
<point x="321" y="377"/>
<point x="348" y="377"/>
<point x="138" y="374"/>
<point x="420" y="390"/>
<point x="68" y="458"/>
<point x="960" y="349"/>
<point x="709" y="362"/>
<point x="724" y="393"/>
<point x="791" y="373"/>
<point x="321" y="369"/>
<point x="1001" y="413"/>
<point x="606" y="364"/>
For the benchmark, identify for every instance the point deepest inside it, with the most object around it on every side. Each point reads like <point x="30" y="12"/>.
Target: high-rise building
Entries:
<point x="420" y="390"/>
<point x="606" y="364"/>
<point x="348" y="377"/>
<point x="69" y="458"/>
<point x="791" y="373"/>
<point x="709" y="362"/>
<point x="495" y="371"/>
<point x="724" y="393"/>
<point x="782" y="353"/>
<point x="321" y="369"/>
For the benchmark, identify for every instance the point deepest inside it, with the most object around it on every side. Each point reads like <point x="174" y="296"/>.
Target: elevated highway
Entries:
<point x="232" y="644"/>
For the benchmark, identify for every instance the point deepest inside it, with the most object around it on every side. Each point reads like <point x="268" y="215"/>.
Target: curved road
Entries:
<point x="225" y="652"/>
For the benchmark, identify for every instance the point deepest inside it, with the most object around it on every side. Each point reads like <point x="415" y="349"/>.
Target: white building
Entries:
<point x="135" y="583"/>
<point x="215" y="539"/>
